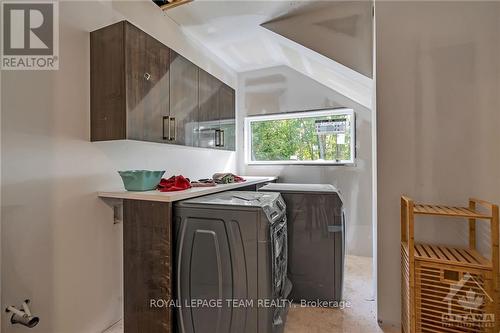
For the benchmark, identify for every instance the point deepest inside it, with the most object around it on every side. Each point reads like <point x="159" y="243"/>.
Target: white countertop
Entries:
<point x="181" y="195"/>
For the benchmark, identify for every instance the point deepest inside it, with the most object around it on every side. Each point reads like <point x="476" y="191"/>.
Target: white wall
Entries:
<point x="281" y="89"/>
<point x="438" y="110"/>
<point x="339" y="30"/>
<point x="59" y="245"/>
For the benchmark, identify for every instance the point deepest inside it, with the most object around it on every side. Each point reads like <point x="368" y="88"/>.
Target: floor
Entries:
<point x="360" y="317"/>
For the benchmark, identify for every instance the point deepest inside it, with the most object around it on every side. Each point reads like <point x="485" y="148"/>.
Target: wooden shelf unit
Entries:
<point x="448" y="289"/>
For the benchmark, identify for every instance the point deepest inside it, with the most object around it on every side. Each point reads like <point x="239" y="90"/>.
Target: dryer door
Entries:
<point x="205" y="279"/>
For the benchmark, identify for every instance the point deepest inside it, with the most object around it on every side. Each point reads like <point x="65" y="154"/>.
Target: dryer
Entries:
<point x="231" y="263"/>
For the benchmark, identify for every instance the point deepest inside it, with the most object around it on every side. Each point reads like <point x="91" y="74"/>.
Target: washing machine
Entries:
<point x="231" y="263"/>
<point x="316" y="240"/>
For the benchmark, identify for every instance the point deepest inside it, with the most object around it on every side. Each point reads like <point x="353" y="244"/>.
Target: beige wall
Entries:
<point x="59" y="245"/>
<point x="438" y="111"/>
<point x="282" y="89"/>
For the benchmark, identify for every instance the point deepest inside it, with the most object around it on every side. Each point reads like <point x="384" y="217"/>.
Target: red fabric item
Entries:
<point x="174" y="183"/>
<point x="239" y="179"/>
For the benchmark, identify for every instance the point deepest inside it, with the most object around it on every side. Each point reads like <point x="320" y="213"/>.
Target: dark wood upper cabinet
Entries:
<point x="142" y="90"/>
<point x="217" y="113"/>
<point x="183" y="100"/>
<point x="129" y="84"/>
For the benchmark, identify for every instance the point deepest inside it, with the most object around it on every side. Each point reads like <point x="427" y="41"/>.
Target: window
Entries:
<point x="313" y="137"/>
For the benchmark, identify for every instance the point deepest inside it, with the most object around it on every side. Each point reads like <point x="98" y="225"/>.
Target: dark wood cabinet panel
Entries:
<point x="147" y="265"/>
<point x="147" y="71"/>
<point x="209" y="97"/>
<point x="135" y="65"/>
<point x="227" y="102"/>
<point x="183" y="100"/>
<point x="227" y="118"/>
<point x="107" y="84"/>
<point x="209" y="113"/>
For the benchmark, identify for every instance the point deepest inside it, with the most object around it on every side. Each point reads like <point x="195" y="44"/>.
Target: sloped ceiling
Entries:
<point x="341" y="31"/>
<point x="232" y="31"/>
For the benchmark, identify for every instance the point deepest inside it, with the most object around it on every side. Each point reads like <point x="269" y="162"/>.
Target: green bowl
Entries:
<point x="141" y="180"/>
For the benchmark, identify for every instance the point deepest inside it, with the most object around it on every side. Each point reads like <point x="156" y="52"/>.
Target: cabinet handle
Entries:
<point x="163" y="128"/>
<point x="147" y="76"/>
<point x="174" y="123"/>
<point x="222" y="139"/>
<point x="217" y="138"/>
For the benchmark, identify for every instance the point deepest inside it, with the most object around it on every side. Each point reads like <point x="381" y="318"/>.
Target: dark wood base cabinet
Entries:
<point x="143" y="90"/>
<point x="147" y="266"/>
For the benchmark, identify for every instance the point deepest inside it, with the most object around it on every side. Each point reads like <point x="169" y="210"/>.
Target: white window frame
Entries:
<point x="302" y="114"/>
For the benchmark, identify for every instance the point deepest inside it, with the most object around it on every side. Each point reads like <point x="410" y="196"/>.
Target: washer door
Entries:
<point x="205" y="278"/>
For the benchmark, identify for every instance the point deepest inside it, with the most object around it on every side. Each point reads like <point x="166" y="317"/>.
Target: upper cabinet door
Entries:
<point x="227" y="102"/>
<point x="227" y="118"/>
<point x="147" y="70"/>
<point x="209" y="113"/>
<point x="183" y="119"/>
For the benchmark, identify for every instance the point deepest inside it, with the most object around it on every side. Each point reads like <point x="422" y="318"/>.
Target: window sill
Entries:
<point x="310" y="163"/>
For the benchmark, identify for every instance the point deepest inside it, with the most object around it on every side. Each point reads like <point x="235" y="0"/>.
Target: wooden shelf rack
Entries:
<point x="448" y="289"/>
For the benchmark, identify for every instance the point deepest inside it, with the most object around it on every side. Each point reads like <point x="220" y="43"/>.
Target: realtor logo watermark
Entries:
<point x="30" y="39"/>
<point x="469" y="295"/>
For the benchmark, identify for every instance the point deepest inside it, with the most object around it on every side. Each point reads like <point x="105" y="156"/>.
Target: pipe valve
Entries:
<point x="22" y="316"/>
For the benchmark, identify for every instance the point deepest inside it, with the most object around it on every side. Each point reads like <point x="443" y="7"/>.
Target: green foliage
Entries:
<point x="296" y="139"/>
